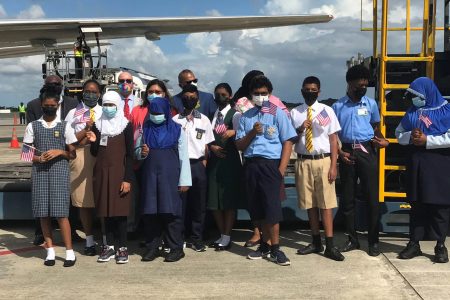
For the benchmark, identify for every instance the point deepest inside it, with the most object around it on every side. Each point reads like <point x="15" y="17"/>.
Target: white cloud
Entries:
<point x="204" y="43"/>
<point x="3" y="13"/>
<point x="35" y="11"/>
<point x="213" y="13"/>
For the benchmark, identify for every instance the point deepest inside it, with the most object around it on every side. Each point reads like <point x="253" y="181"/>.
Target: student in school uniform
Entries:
<point x="199" y="135"/>
<point x="81" y="119"/>
<point x="112" y="176"/>
<point x="316" y="166"/>
<point x="52" y="140"/>
<point x="425" y="134"/>
<point x="166" y="174"/>
<point x="224" y="168"/>
<point x="265" y="136"/>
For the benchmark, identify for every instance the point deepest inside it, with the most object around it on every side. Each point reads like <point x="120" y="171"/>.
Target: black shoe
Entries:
<point x="122" y="255"/>
<point x="249" y="243"/>
<point x="106" y="255"/>
<point x="411" y="250"/>
<point x="90" y="251"/>
<point x="311" y="248"/>
<point x="334" y="254"/>
<point x="213" y="245"/>
<point x="263" y="251"/>
<point x="440" y="254"/>
<point x="374" y="250"/>
<point x="221" y="247"/>
<point x="150" y="255"/>
<point x="49" y="262"/>
<point x="350" y="245"/>
<point x="38" y="240"/>
<point x="142" y="244"/>
<point x="278" y="257"/>
<point x="69" y="263"/>
<point x="174" y="255"/>
<point x="76" y="238"/>
<point x="198" y="247"/>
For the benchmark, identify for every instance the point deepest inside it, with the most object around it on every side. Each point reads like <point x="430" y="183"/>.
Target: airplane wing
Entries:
<point x="30" y="34"/>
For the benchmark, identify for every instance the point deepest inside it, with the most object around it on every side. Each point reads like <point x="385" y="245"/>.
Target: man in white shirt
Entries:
<point x="199" y="133"/>
<point x="315" y="169"/>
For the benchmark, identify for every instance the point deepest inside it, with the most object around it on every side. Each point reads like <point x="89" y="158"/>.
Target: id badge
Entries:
<point x="199" y="133"/>
<point x="56" y="133"/>
<point x="363" y="111"/>
<point x="104" y="140"/>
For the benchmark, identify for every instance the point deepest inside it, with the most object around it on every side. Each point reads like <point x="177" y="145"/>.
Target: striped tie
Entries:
<point x="309" y="135"/>
<point x="92" y="114"/>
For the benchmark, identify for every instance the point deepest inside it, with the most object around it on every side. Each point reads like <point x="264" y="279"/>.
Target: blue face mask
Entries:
<point x="418" y="102"/>
<point x="157" y="119"/>
<point x="109" y="111"/>
<point x="150" y="97"/>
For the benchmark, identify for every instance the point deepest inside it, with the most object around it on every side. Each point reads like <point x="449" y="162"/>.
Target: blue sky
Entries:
<point x="286" y="55"/>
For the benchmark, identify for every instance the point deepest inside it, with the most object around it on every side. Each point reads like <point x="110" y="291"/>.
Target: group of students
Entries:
<point x="185" y="154"/>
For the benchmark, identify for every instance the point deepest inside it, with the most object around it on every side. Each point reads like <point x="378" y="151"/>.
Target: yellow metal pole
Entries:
<point x="375" y="27"/>
<point x="425" y="28"/>
<point x="382" y="96"/>
<point x="408" y="26"/>
<point x="400" y="29"/>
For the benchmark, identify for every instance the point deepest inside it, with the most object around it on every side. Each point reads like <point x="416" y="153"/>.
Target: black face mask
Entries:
<point x="55" y="87"/>
<point x="90" y="99"/>
<point x="49" y="111"/>
<point x="359" y="93"/>
<point x="220" y="100"/>
<point x="189" y="103"/>
<point x="310" y="97"/>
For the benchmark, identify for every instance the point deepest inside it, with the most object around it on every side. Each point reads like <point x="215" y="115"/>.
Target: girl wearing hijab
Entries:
<point x="224" y="167"/>
<point x="425" y="131"/>
<point x="166" y="173"/>
<point x="81" y="119"/>
<point x="112" y="176"/>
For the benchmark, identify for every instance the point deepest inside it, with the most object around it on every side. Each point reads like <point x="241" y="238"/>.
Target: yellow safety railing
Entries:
<point x="426" y="56"/>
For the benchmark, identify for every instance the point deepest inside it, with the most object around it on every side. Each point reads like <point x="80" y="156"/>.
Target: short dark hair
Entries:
<point x="224" y="85"/>
<point x="185" y="71"/>
<point x="189" y="88"/>
<point x="89" y="81"/>
<point x="356" y="73"/>
<point x="259" y="82"/>
<point x="311" y="80"/>
<point x="49" y="94"/>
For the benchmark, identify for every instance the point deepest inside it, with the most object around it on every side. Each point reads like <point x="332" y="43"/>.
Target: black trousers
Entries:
<point x="116" y="231"/>
<point x="428" y="222"/>
<point x="22" y="118"/>
<point x="366" y="169"/>
<point x="170" y="225"/>
<point x="194" y="202"/>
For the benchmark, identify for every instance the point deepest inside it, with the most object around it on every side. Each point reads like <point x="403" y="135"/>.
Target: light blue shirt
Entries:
<point x="277" y="130"/>
<point x="185" y="166"/>
<point x="356" y="119"/>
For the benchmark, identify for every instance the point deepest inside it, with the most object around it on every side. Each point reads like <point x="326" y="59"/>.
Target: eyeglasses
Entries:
<point x="192" y="81"/>
<point x="125" y="80"/>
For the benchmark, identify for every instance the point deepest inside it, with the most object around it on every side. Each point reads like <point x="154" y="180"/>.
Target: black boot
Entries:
<point x="440" y="253"/>
<point x="411" y="250"/>
<point x="351" y="244"/>
<point x="315" y="247"/>
<point x="331" y="251"/>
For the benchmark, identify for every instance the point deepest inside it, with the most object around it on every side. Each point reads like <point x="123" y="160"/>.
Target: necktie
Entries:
<point x="220" y="126"/>
<point x="309" y="135"/>
<point x="92" y="115"/>
<point x="126" y="109"/>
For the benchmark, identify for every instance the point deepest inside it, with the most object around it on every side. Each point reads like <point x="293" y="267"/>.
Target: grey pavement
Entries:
<point x="220" y="275"/>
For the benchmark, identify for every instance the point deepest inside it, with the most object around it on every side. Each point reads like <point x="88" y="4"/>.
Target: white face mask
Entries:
<point x="258" y="100"/>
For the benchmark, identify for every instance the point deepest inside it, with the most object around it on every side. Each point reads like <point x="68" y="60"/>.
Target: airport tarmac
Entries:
<point x="220" y="275"/>
<point x="213" y="275"/>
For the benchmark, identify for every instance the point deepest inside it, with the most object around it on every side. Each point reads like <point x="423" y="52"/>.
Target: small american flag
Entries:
<point x="80" y="110"/>
<point x="425" y="120"/>
<point x="27" y="153"/>
<point x="269" y="108"/>
<point x="323" y="118"/>
<point x="220" y="127"/>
